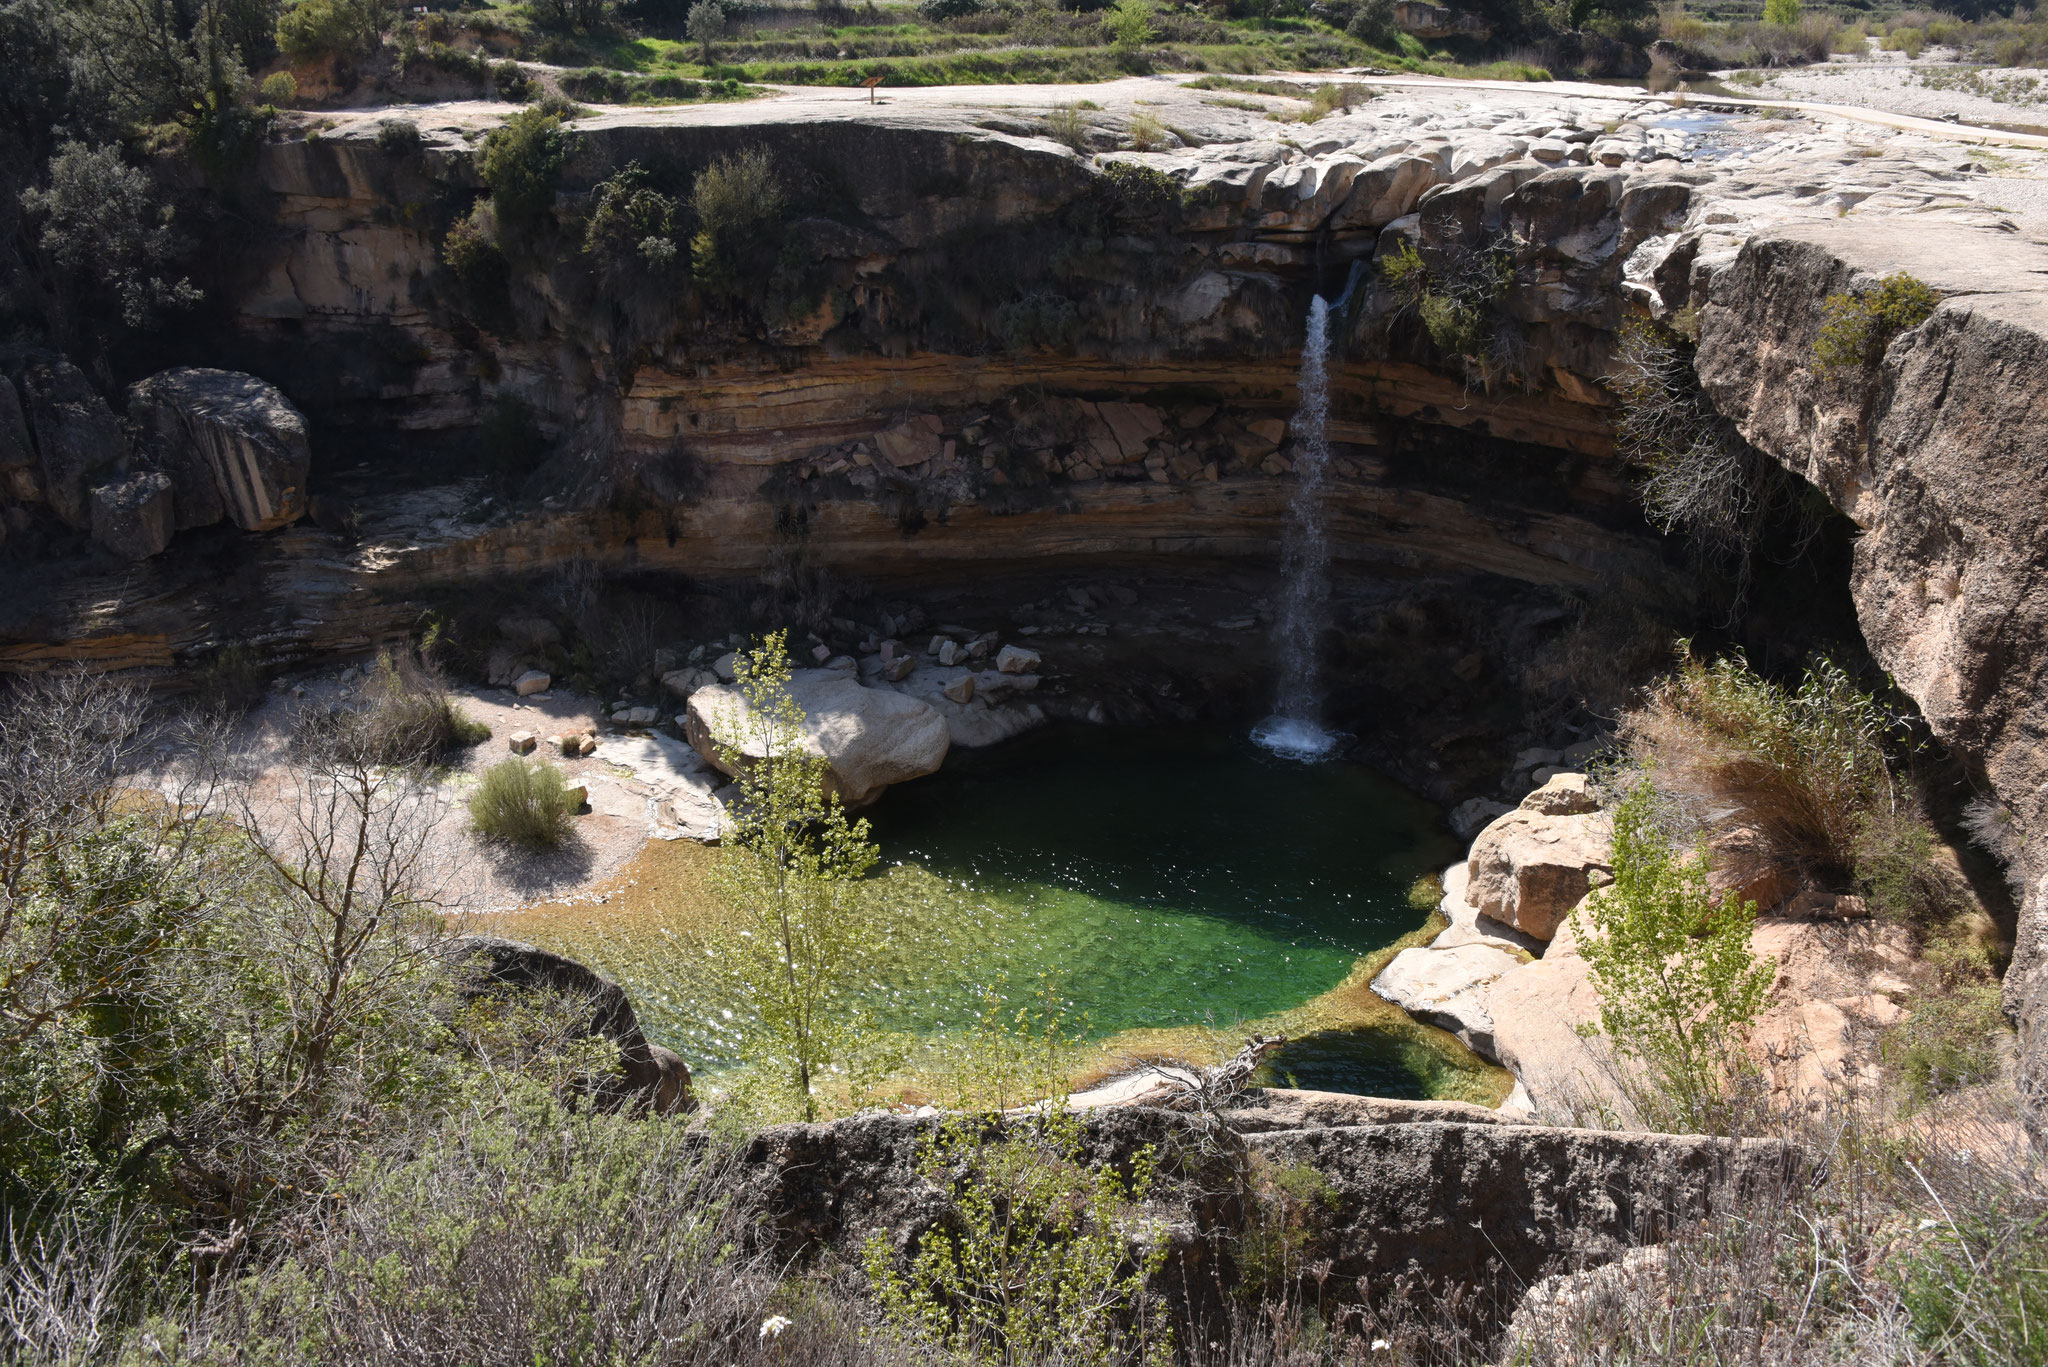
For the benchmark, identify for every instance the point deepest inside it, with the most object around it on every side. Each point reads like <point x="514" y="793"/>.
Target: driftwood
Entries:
<point x="1211" y="1088"/>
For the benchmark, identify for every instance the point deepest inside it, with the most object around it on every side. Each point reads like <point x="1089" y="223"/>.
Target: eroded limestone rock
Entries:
<point x="232" y="444"/>
<point x="77" y="438"/>
<point x="871" y="737"/>
<point x="1529" y="869"/>
<point x="132" y="517"/>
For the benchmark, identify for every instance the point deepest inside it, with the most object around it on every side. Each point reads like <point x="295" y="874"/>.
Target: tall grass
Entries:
<point x="1804" y="765"/>
<point x="409" y="717"/>
<point x="524" y="803"/>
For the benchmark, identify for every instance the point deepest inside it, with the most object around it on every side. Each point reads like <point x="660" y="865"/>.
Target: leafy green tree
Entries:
<point x="1781" y="13"/>
<point x="522" y="163"/>
<point x="314" y="29"/>
<point x="789" y="865"/>
<point x="108" y="232"/>
<point x="1679" y="986"/>
<point x="706" y="25"/>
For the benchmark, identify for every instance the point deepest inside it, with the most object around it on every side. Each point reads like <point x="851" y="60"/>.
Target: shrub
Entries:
<point x="1148" y="134"/>
<point x="1329" y="98"/>
<point x="1373" y="22"/>
<point x="1700" y="477"/>
<point x="398" y="137"/>
<point x="1139" y="196"/>
<point x="522" y="803"/>
<point x="519" y="1228"/>
<point x="314" y="29"/>
<point x="1949" y="1041"/>
<point x="1128" y="23"/>
<point x="1065" y="124"/>
<point x="521" y="162"/>
<point x="1454" y="301"/>
<point x="410" y="718"/>
<point x="1804" y="766"/>
<point x="511" y="81"/>
<point x="471" y="252"/>
<point x="734" y="198"/>
<point x="231" y="679"/>
<point x="1781" y="13"/>
<point x="938" y="11"/>
<point x="1856" y="328"/>
<point x="1902" y="870"/>
<point x="632" y="225"/>
<point x="279" y="88"/>
<point x="1034" y="1265"/>
<point x="1679" y="987"/>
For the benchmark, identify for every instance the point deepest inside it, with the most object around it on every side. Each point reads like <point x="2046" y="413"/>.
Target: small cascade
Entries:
<point x="1295" y="730"/>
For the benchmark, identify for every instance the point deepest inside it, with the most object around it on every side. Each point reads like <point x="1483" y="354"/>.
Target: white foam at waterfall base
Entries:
<point x="1295" y="730"/>
<point x="1303" y="741"/>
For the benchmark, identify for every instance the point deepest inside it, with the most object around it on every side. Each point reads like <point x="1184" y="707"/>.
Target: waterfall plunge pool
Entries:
<point x="1176" y="887"/>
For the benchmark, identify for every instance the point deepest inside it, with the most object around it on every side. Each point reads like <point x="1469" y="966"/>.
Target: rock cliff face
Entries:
<point x="1937" y="453"/>
<point x="1410" y="1189"/>
<point x="966" y="349"/>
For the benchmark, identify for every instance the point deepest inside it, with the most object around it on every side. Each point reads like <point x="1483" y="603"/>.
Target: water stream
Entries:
<point x="1295" y="730"/>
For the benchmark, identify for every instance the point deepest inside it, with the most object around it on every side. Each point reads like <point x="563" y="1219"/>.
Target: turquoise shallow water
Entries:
<point x="1164" y="877"/>
<point x="1157" y="879"/>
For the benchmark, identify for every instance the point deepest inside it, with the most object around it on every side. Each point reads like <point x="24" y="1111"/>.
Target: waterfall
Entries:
<point x="1295" y="730"/>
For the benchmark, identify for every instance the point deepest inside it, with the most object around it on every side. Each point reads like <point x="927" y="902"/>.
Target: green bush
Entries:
<point x="1034" y="1265"/>
<point x="523" y="803"/>
<point x="511" y="81"/>
<point x="315" y="29"/>
<point x="522" y="163"/>
<point x="1949" y="1041"/>
<point x="1065" y="124"/>
<point x="1679" y="987"/>
<point x="1781" y="13"/>
<point x="1373" y="22"/>
<point x="1128" y="23"/>
<point x="410" y="718"/>
<point x="398" y="137"/>
<point x="471" y="252"/>
<point x="1454" y="301"/>
<point x="1148" y="133"/>
<point x="1856" y="328"/>
<point x="632" y="226"/>
<point x="734" y="198"/>
<point x="278" y="88"/>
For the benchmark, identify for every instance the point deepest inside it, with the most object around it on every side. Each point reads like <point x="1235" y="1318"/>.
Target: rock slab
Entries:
<point x="870" y="737"/>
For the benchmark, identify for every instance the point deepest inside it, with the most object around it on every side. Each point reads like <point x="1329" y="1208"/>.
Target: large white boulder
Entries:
<point x="1529" y="868"/>
<point x="871" y="737"/>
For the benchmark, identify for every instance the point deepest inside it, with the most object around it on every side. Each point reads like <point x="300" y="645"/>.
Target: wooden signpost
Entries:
<point x="869" y="85"/>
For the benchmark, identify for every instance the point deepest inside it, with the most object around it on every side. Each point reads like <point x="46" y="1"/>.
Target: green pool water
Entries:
<point x="1164" y="877"/>
<point x="1158" y="879"/>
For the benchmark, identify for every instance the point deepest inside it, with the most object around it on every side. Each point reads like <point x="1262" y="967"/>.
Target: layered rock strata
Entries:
<point x="995" y="351"/>
<point x="1409" y="1190"/>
